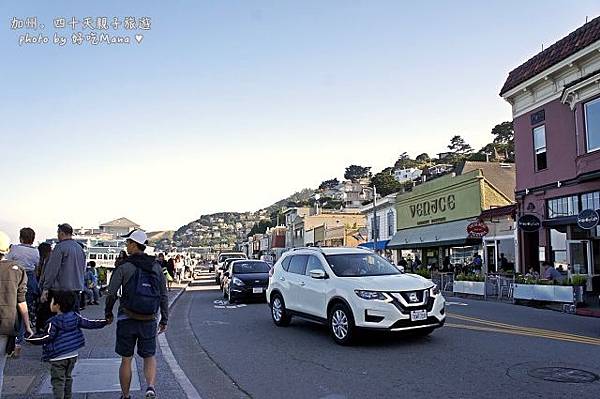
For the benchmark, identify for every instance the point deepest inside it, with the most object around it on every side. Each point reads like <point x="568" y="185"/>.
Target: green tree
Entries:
<point x="404" y="161"/>
<point x="329" y="184"/>
<point x="356" y="172"/>
<point x="423" y="158"/>
<point x="260" y="227"/>
<point x="504" y="138"/>
<point x="460" y="149"/>
<point x="386" y="184"/>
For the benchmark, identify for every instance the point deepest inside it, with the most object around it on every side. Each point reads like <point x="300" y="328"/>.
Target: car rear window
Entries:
<point x="285" y="263"/>
<point x="250" y="267"/>
<point x="298" y="264"/>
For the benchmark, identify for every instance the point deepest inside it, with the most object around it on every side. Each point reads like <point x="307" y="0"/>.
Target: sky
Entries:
<point x="233" y="105"/>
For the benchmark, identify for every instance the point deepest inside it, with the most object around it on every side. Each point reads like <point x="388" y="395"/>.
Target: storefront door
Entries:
<point x="579" y="254"/>
<point x="490" y="260"/>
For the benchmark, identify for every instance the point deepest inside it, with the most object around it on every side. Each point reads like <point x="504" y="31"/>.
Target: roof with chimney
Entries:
<point x="562" y="49"/>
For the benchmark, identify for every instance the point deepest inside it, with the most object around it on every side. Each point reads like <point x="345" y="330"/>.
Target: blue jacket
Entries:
<point x="63" y="334"/>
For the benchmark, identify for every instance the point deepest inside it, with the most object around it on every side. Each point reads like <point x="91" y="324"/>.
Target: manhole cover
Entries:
<point x="563" y="374"/>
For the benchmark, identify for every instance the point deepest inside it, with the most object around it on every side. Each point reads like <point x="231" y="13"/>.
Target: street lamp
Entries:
<point x="317" y="197"/>
<point x="375" y="224"/>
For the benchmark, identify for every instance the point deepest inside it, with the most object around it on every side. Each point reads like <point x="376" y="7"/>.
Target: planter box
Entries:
<point x="547" y="293"/>
<point x="469" y="287"/>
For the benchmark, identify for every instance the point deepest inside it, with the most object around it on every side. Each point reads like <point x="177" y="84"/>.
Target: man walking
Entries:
<point x="144" y="292"/>
<point x="66" y="267"/>
<point x="28" y="257"/>
<point x="13" y="287"/>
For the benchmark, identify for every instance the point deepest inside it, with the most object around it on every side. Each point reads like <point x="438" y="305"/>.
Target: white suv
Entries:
<point x="349" y="288"/>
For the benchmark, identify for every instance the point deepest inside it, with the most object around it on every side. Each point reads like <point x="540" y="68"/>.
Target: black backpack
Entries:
<point x="141" y="294"/>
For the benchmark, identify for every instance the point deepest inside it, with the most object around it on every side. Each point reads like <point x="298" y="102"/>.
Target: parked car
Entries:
<point x="219" y="272"/>
<point x="352" y="288"/>
<point x="246" y="279"/>
<point x="223" y="256"/>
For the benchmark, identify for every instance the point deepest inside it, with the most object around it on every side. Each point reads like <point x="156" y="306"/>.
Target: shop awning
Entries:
<point x="381" y="244"/>
<point x="433" y="235"/>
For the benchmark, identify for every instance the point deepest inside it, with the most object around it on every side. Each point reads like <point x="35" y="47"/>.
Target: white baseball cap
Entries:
<point x="137" y="236"/>
<point x="4" y="243"/>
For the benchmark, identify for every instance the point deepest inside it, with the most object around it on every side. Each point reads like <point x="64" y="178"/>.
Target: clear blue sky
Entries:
<point x="232" y="105"/>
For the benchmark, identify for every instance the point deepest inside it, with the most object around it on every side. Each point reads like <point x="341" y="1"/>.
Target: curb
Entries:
<point x="182" y="379"/>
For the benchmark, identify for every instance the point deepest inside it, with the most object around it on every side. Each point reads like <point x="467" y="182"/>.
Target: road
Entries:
<point x="486" y="350"/>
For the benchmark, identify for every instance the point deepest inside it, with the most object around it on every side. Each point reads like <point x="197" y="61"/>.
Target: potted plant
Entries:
<point x="567" y="291"/>
<point x="472" y="284"/>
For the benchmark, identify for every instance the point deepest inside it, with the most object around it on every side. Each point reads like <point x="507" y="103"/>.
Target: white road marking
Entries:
<point x="457" y="303"/>
<point x="182" y="379"/>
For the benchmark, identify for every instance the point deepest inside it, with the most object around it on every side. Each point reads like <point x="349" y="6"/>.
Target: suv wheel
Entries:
<point x="341" y="324"/>
<point x="231" y="297"/>
<point x="279" y="313"/>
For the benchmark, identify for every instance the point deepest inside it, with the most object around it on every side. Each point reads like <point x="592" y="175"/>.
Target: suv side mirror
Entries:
<point x="318" y="274"/>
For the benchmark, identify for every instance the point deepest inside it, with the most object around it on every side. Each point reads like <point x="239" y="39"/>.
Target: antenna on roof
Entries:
<point x="542" y="46"/>
<point x="586" y="19"/>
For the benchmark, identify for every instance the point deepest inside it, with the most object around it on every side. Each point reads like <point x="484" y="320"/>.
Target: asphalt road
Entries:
<point x="486" y="350"/>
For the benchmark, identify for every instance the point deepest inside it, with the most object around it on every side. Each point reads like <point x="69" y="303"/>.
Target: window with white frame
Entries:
<point x="565" y="206"/>
<point x="592" y="125"/>
<point x="539" y="147"/>
<point x="390" y="223"/>
<point x="590" y="200"/>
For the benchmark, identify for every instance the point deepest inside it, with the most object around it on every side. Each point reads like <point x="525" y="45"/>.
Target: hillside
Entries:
<point x="222" y="230"/>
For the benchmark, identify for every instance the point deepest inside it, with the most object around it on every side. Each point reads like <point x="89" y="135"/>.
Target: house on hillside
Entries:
<point x="408" y="174"/>
<point x="118" y="227"/>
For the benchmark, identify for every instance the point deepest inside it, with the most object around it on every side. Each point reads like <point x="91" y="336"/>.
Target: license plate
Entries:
<point x="418" y="315"/>
<point x="257" y="290"/>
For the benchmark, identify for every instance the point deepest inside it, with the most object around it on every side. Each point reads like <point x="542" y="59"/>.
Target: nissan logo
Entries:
<point x="412" y="297"/>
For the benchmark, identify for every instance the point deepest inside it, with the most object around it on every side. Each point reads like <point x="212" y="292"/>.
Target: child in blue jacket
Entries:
<point x="62" y="339"/>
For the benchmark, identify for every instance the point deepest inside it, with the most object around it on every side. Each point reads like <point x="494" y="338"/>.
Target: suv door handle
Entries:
<point x="282" y="278"/>
<point x="302" y="284"/>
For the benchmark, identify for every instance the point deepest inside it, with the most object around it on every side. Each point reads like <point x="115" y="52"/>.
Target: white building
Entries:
<point x="382" y="218"/>
<point x="408" y="174"/>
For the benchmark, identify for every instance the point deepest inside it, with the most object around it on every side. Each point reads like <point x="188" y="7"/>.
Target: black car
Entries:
<point x="246" y="279"/>
<point x="222" y="269"/>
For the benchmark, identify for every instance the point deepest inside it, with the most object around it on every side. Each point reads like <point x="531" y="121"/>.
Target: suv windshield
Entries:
<point x="250" y="267"/>
<point x="358" y="265"/>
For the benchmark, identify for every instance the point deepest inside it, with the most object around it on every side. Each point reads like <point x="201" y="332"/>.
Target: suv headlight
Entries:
<point x="238" y="282"/>
<point x="373" y="295"/>
<point x="433" y="291"/>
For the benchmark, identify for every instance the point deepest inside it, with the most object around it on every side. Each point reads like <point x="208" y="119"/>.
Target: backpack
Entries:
<point x="141" y="294"/>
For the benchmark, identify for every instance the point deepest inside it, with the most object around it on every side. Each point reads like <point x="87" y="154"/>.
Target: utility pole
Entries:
<point x="375" y="224"/>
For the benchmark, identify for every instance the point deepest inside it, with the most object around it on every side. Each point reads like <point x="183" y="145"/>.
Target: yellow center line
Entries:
<point x="523" y="333"/>
<point x="520" y="330"/>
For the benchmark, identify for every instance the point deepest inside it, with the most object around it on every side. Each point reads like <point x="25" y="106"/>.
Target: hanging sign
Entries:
<point x="477" y="229"/>
<point x="529" y="223"/>
<point x="587" y="219"/>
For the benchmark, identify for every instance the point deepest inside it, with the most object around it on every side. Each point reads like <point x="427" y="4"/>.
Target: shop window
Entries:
<point x="539" y="147"/>
<point x="592" y="125"/>
<point x="565" y="206"/>
<point x="390" y="224"/>
<point x="558" y="242"/>
<point x="506" y="254"/>
<point x="462" y="255"/>
<point x="590" y="200"/>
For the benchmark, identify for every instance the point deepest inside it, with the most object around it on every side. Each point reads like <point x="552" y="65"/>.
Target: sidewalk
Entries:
<point x="96" y="373"/>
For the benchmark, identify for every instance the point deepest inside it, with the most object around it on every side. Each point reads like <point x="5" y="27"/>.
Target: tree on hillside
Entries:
<point x="404" y="162"/>
<point x="260" y="227"/>
<point x="423" y="158"/>
<point x="386" y="184"/>
<point x="504" y="137"/>
<point x="356" y="172"/>
<point x="329" y="184"/>
<point x="459" y="148"/>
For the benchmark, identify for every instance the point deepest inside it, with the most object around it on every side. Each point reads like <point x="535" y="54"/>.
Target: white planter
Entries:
<point x="469" y="287"/>
<point x="547" y="293"/>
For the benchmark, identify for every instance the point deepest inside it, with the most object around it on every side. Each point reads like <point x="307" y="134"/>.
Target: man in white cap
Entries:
<point x="13" y="287"/>
<point x="144" y="293"/>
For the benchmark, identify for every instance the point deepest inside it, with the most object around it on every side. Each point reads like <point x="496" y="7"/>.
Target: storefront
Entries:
<point x="433" y="219"/>
<point x="500" y="241"/>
